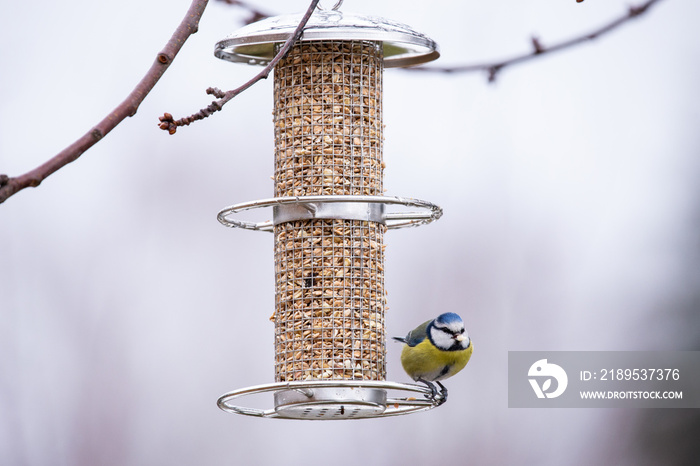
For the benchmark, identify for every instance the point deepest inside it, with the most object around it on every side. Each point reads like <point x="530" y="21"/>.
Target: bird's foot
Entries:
<point x="443" y="393"/>
<point x="437" y="397"/>
<point x="431" y="387"/>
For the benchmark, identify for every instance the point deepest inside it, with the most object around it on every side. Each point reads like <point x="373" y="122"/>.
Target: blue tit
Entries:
<point x="436" y="350"/>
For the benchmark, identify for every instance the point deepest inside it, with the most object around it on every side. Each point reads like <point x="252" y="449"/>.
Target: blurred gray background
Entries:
<point x="571" y="195"/>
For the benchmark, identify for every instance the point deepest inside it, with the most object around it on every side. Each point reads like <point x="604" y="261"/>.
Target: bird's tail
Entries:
<point x="401" y="339"/>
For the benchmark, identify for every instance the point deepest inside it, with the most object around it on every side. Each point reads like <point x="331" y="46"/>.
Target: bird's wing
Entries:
<point x="418" y="334"/>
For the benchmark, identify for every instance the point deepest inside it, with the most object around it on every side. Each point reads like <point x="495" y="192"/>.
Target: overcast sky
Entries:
<point x="570" y="196"/>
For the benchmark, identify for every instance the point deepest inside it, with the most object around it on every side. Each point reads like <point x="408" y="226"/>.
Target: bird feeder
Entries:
<point x="329" y="214"/>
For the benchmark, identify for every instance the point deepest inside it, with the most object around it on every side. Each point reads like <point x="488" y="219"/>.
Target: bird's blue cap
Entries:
<point x="448" y="318"/>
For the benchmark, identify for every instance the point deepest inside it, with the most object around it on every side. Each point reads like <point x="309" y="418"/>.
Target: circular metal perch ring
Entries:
<point x="368" y="208"/>
<point x="393" y="406"/>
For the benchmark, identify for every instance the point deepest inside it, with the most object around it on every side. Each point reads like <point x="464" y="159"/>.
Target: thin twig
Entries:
<point x="169" y="124"/>
<point x="11" y="185"/>
<point x="492" y="68"/>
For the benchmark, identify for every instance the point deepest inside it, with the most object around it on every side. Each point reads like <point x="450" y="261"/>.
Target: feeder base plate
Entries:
<point x="332" y="399"/>
<point x="330" y="403"/>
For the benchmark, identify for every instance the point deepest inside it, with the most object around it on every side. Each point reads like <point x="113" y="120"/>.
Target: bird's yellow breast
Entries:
<point x="425" y="361"/>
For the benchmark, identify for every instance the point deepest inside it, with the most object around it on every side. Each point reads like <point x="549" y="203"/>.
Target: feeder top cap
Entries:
<point x="255" y="43"/>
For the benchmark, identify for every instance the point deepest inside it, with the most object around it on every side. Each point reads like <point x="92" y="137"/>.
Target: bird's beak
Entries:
<point x="460" y="338"/>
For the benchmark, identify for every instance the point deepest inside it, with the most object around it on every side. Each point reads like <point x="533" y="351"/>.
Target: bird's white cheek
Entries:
<point x="442" y="340"/>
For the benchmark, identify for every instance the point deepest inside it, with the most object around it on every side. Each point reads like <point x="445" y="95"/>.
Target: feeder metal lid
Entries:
<point x="255" y="43"/>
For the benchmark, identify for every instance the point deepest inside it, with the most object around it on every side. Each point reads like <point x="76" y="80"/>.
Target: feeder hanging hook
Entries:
<point x="335" y="7"/>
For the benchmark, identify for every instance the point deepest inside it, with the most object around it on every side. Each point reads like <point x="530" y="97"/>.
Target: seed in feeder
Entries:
<point x="317" y="87"/>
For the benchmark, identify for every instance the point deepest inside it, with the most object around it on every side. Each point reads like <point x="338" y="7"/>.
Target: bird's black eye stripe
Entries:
<point x="461" y="331"/>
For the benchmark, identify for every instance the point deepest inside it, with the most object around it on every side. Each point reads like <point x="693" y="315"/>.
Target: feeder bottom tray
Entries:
<point x="330" y="403"/>
<point x="332" y="400"/>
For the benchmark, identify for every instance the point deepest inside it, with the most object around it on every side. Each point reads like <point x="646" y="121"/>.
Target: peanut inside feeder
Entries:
<point x="329" y="212"/>
<point x="330" y="301"/>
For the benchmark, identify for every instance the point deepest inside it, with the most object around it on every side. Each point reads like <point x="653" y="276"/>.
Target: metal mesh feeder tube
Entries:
<point x="329" y="294"/>
<point x="330" y="214"/>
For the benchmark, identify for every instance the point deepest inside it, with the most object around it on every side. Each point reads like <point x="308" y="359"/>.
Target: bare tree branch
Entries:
<point x="169" y="124"/>
<point x="492" y="68"/>
<point x="11" y="185"/>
